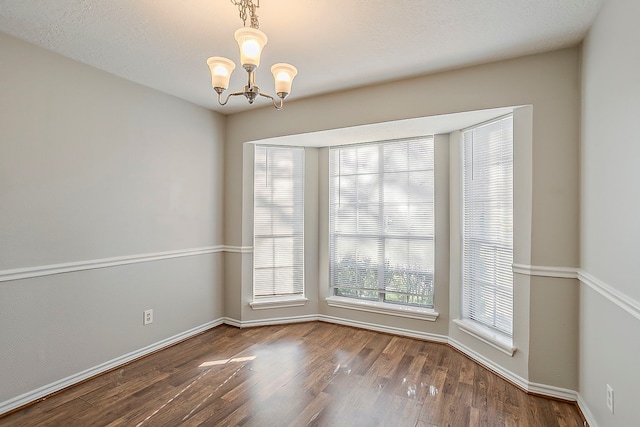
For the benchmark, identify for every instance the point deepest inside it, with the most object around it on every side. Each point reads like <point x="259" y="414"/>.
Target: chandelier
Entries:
<point x="250" y="42"/>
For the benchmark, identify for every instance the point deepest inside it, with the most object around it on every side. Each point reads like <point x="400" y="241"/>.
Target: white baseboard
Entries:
<point x="552" y="391"/>
<point x="586" y="412"/>
<point x="336" y="320"/>
<point x="339" y="321"/>
<point x="269" y="322"/>
<point x="231" y="322"/>
<point x="383" y="328"/>
<point x="56" y="386"/>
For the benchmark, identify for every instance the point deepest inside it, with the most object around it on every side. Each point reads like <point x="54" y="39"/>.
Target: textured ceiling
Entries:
<point x="335" y="45"/>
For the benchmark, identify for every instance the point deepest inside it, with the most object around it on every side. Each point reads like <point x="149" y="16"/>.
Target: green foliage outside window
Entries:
<point x="401" y="285"/>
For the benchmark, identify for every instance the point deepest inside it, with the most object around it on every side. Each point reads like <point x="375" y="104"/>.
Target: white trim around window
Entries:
<point x="278" y="302"/>
<point x="487" y="335"/>
<point x="411" y="312"/>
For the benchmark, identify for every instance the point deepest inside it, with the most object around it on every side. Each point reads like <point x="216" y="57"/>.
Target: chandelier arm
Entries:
<point x="278" y="107"/>
<point x="228" y="96"/>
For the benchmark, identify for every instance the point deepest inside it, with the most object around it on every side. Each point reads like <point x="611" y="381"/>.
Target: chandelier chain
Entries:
<point x="247" y="9"/>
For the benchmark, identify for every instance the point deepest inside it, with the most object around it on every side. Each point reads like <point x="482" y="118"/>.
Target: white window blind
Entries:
<point x="382" y="221"/>
<point x="278" y="258"/>
<point x="488" y="225"/>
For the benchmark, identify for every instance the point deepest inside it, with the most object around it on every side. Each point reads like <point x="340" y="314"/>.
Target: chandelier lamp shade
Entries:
<point x="250" y="41"/>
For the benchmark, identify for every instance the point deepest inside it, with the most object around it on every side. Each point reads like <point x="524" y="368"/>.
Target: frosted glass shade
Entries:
<point x="221" y="69"/>
<point x="250" y="42"/>
<point x="283" y="75"/>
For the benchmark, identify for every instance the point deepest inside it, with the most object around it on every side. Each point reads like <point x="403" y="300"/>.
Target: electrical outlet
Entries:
<point x="147" y="317"/>
<point x="610" y="398"/>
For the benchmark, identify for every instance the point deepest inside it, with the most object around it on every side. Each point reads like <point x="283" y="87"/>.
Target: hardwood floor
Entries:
<point x="306" y="374"/>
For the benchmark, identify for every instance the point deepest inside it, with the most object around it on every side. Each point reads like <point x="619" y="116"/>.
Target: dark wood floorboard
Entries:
<point x="306" y="374"/>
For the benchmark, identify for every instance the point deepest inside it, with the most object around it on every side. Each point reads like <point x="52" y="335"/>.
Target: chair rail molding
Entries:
<point x="623" y="301"/>
<point x="69" y="267"/>
<point x="546" y="271"/>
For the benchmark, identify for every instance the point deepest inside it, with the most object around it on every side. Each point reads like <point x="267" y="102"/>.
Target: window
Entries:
<point x="278" y="233"/>
<point x="381" y="221"/>
<point x="487" y="235"/>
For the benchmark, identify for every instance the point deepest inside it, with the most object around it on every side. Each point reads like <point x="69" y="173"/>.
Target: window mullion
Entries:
<point x="273" y="241"/>
<point x="381" y="213"/>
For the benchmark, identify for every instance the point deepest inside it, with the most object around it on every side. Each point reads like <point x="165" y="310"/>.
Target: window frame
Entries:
<point x="382" y="304"/>
<point x="488" y="332"/>
<point x="294" y="298"/>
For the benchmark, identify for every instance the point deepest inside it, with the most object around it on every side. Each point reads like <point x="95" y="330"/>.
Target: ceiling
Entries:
<point x="335" y="45"/>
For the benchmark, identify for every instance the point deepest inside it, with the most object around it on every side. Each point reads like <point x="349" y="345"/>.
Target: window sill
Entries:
<point x="488" y="336"/>
<point x="383" y="308"/>
<point x="278" y="302"/>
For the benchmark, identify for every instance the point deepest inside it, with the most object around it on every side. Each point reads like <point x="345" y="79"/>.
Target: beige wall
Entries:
<point x="550" y="84"/>
<point x="610" y="212"/>
<point x="93" y="167"/>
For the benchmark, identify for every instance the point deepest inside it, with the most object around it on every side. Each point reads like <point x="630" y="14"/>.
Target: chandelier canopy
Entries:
<point x="250" y="41"/>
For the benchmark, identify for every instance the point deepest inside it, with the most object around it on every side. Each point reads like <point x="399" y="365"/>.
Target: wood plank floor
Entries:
<point x="306" y="374"/>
